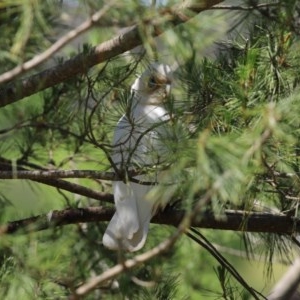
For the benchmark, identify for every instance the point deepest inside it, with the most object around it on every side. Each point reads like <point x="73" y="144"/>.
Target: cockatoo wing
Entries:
<point x="129" y="226"/>
<point x="135" y="144"/>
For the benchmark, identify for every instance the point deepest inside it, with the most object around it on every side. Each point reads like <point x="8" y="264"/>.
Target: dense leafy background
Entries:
<point x="237" y="130"/>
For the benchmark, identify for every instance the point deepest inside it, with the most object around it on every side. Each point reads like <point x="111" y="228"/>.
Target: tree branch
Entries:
<point x="8" y="167"/>
<point x="80" y="64"/>
<point x="39" y="175"/>
<point x="232" y="220"/>
<point x="287" y="286"/>
<point x="55" y="174"/>
<point x="94" y="282"/>
<point x="201" y="240"/>
<point x="40" y="58"/>
<point x="255" y="222"/>
<point x="246" y="8"/>
<point x="77" y="189"/>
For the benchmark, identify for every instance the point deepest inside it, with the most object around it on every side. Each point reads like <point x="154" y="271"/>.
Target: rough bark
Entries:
<point x="231" y="220"/>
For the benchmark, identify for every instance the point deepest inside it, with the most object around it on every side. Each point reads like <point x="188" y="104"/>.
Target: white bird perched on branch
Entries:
<point x="137" y="143"/>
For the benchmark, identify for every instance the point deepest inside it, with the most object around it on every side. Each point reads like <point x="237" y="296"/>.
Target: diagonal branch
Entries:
<point x="94" y="282"/>
<point x="201" y="240"/>
<point x="77" y="189"/>
<point x="80" y="64"/>
<point x="287" y="286"/>
<point x="40" y="58"/>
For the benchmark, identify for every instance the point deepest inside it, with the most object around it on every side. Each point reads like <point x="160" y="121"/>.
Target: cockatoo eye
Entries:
<point x="152" y="83"/>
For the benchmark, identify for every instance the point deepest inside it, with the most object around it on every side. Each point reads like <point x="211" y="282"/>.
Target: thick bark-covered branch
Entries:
<point x="232" y="220"/>
<point x="80" y="64"/>
<point x="41" y="175"/>
<point x="56" y="174"/>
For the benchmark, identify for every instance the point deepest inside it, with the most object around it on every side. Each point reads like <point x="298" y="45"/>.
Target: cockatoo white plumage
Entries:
<point x="137" y="143"/>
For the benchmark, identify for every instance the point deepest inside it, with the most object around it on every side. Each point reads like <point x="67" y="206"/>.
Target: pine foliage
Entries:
<point x="233" y="144"/>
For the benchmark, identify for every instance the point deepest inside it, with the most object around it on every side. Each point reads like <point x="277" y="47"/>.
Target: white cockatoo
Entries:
<point x="137" y="143"/>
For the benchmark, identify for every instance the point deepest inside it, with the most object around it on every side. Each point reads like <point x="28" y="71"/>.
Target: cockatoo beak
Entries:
<point x="167" y="90"/>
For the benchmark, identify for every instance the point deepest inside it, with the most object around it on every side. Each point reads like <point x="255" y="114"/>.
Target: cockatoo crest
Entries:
<point x="136" y="143"/>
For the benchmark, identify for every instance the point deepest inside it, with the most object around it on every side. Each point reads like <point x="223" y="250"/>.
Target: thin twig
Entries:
<point x="246" y="8"/>
<point x="200" y="239"/>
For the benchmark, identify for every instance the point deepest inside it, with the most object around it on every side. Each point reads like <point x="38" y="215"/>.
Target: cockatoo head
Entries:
<point x="154" y="85"/>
